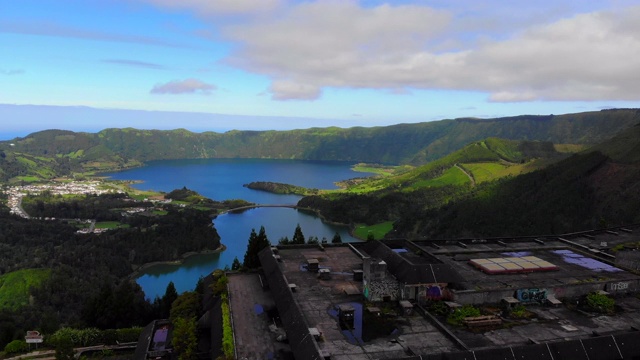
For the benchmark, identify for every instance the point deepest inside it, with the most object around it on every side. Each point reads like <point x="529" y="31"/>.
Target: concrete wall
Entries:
<point x="560" y="292"/>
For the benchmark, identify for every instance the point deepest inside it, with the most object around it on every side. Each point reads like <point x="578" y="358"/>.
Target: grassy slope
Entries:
<point x="14" y="286"/>
<point x="483" y="160"/>
<point x="376" y="201"/>
<point x="595" y="188"/>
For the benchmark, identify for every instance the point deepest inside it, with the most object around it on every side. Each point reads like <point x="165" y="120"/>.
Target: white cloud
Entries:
<point x="220" y="7"/>
<point x="334" y="43"/>
<point x="306" y="47"/>
<point x="187" y="86"/>
<point x="339" y="44"/>
<point x="134" y="63"/>
<point x="287" y="90"/>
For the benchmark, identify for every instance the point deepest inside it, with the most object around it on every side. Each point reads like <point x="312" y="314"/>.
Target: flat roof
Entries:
<point x="317" y="299"/>
<point x="505" y="265"/>
<point x="568" y="266"/>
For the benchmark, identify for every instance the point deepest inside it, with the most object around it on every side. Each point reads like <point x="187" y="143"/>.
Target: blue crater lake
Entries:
<point x="223" y="179"/>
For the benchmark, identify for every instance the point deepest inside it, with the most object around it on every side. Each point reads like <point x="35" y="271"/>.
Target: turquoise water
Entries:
<point x="222" y="179"/>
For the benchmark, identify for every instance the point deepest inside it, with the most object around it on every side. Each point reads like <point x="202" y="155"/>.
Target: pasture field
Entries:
<point x="361" y="231"/>
<point x="14" y="286"/>
<point x="110" y="225"/>
<point x="451" y="176"/>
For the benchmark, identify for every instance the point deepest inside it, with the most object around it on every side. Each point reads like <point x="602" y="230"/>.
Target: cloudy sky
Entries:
<point x="290" y="64"/>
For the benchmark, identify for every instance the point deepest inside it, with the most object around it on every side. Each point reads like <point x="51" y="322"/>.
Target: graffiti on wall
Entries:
<point x="379" y="290"/>
<point x="620" y="286"/>
<point x="531" y="295"/>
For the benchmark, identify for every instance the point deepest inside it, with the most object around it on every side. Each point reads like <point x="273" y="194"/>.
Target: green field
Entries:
<point x="486" y="171"/>
<point x="569" y="148"/>
<point x="27" y="179"/>
<point x="452" y="176"/>
<point x="14" y="286"/>
<point x="380" y="169"/>
<point x="378" y="230"/>
<point x="110" y="225"/>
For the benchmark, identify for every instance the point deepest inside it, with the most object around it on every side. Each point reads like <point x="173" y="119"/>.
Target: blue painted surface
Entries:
<point x="353" y="336"/>
<point x="258" y="309"/>
<point x="592" y="264"/>
<point x="517" y="254"/>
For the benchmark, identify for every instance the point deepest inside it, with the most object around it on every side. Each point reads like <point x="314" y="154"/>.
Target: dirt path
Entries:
<point x="473" y="181"/>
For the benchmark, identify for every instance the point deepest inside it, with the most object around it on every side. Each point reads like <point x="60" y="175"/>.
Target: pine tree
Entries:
<point x="170" y="295"/>
<point x="235" y="265"/>
<point x="298" y="236"/>
<point x="257" y="242"/>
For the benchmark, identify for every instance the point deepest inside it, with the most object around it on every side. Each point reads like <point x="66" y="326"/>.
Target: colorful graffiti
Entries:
<point x="531" y="295"/>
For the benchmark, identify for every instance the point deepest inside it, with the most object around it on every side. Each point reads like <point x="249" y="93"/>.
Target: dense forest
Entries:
<point x="88" y="282"/>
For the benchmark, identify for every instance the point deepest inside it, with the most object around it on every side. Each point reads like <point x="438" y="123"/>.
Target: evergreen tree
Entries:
<point x="170" y="295"/>
<point x="298" y="236"/>
<point x="235" y="265"/>
<point x="185" y="339"/>
<point x="257" y="242"/>
<point x="186" y="306"/>
<point x="200" y="286"/>
<point x="284" y="241"/>
<point x="337" y="239"/>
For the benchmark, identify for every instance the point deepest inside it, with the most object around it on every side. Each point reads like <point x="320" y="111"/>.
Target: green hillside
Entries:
<point x="596" y="188"/>
<point x="405" y="197"/>
<point x="415" y="144"/>
<point x="512" y="188"/>
<point x="15" y="287"/>
<point x="480" y="161"/>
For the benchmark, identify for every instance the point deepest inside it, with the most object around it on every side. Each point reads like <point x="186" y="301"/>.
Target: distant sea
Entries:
<point x="10" y="135"/>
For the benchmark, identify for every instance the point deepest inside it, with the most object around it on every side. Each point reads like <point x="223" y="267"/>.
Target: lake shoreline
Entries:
<point x="140" y="269"/>
<point x="222" y="181"/>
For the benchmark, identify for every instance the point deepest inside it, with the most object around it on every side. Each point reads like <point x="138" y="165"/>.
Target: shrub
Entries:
<point x="519" y="312"/>
<point x="227" y="331"/>
<point x="77" y="337"/>
<point x="110" y="336"/>
<point x="16" y="346"/>
<point x="600" y="303"/>
<point x="459" y="314"/>
<point x="439" y="308"/>
<point x="129" y="334"/>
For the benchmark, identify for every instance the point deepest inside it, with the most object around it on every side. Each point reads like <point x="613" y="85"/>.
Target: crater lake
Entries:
<point x="223" y="179"/>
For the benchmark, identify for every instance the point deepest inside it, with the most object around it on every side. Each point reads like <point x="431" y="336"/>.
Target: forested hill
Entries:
<point x="512" y="189"/>
<point x="594" y="189"/>
<point x="404" y="143"/>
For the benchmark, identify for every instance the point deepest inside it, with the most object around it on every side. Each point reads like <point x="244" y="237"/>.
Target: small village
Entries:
<point x="16" y="193"/>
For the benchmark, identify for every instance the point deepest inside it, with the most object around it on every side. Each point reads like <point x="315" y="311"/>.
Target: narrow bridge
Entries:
<point x="260" y="205"/>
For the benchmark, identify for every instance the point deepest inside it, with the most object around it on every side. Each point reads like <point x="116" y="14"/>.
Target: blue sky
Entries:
<point x="278" y="64"/>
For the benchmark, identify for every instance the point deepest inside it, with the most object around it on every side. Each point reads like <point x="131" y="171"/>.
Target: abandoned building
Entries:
<point x="393" y="274"/>
<point x="370" y="300"/>
<point x="344" y="283"/>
